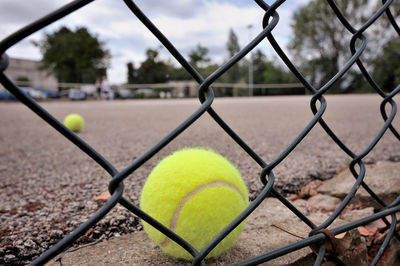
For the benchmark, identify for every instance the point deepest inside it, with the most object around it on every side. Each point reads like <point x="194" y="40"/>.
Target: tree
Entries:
<point x="321" y="44"/>
<point x="266" y="71"/>
<point x="387" y="66"/>
<point x="179" y="73"/>
<point x="132" y="74"/>
<point x="74" y="56"/>
<point x="275" y="74"/>
<point x="153" y="69"/>
<point x="198" y="56"/>
<point x="232" y="45"/>
<point x="259" y="67"/>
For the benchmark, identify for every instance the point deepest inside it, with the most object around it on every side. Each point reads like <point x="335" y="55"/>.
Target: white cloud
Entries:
<point x="177" y="8"/>
<point x="185" y="23"/>
<point x="211" y="29"/>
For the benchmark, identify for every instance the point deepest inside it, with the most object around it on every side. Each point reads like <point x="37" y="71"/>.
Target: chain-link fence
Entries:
<point x="319" y="237"/>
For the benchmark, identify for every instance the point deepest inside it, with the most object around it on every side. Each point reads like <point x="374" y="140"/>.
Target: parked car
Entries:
<point x="143" y="93"/>
<point x="76" y="95"/>
<point x="34" y="93"/>
<point x="123" y="93"/>
<point x="7" y="96"/>
<point x="49" y="94"/>
<point x="63" y="93"/>
<point x="89" y="90"/>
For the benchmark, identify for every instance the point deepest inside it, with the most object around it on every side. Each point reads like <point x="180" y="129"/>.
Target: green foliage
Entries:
<point x="314" y="44"/>
<point x="153" y="69"/>
<point x="276" y="74"/>
<point x="387" y="66"/>
<point x="132" y="74"/>
<point x="259" y="67"/>
<point x="198" y="56"/>
<point x="267" y="71"/>
<point x="232" y="45"/>
<point x="208" y="70"/>
<point x="321" y="44"/>
<point x="22" y="79"/>
<point x="179" y="73"/>
<point x="156" y="70"/>
<point x="74" y="56"/>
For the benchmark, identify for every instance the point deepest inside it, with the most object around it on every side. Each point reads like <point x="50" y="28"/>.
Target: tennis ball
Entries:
<point x="74" y="122"/>
<point x="196" y="193"/>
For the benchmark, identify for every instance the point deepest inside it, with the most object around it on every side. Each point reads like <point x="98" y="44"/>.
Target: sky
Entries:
<point x="185" y="23"/>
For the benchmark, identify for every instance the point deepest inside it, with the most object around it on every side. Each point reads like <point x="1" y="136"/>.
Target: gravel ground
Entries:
<point x="47" y="184"/>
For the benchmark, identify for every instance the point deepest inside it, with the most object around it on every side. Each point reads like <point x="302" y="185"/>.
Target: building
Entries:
<point x="27" y="73"/>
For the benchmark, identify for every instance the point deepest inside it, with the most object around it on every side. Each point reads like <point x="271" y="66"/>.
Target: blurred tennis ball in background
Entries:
<point x="74" y="122"/>
<point x="196" y="193"/>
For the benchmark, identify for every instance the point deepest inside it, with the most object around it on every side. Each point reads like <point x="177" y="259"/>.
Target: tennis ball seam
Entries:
<point x="174" y="220"/>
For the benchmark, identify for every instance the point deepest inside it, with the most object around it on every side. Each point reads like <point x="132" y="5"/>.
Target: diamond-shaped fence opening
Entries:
<point x="320" y="238"/>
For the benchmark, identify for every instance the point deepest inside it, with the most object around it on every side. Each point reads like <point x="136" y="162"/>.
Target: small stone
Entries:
<point x="302" y="204"/>
<point x="56" y="233"/>
<point x="324" y="202"/>
<point x="9" y="258"/>
<point x="18" y="242"/>
<point x="29" y="243"/>
<point x="353" y="215"/>
<point x="381" y="178"/>
<point x="120" y="217"/>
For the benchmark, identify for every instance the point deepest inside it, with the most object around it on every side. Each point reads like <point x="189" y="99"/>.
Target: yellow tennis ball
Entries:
<point x="74" y="122"/>
<point x="196" y="193"/>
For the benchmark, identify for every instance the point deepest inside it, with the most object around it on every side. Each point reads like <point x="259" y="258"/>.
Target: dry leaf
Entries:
<point x="343" y="243"/>
<point x="88" y="232"/>
<point x="367" y="231"/>
<point x="380" y="237"/>
<point x="310" y="189"/>
<point x="103" y="197"/>
<point x="292" y="197"/>
<point x="338" y="246"/>
<point x="342" y="169"/>
<point x="312" y="192"/>
<point x="340" y="236"/>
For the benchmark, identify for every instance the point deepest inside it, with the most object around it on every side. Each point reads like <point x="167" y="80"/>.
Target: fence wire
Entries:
<point x="319" y="236"/>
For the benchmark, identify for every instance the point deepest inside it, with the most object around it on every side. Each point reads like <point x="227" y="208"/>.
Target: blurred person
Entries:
<point x="105" y="89"/>
<point x="97" y="85"/>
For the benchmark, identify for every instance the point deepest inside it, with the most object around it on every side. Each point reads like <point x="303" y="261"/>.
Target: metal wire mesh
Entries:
<point x="318" y="236"/>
